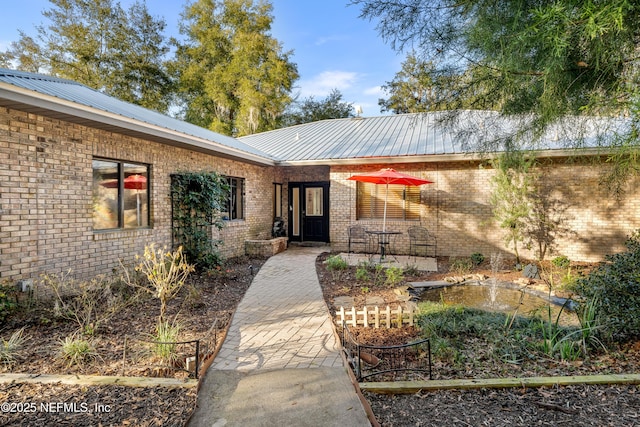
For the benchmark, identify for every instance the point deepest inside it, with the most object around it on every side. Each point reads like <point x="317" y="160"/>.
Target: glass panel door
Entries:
<point x="314" y="201"/>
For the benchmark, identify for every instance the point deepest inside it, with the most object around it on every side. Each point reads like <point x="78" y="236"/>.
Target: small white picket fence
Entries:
<point x="374" y="316"/>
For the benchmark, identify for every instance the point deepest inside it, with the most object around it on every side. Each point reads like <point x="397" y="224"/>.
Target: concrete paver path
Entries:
<point x="280" y="363"/>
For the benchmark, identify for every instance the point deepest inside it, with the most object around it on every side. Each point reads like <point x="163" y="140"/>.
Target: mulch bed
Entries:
<point x="219" y="295"/>
<point x="555" y="406"/>
<point x="206" y="297"/>
<point x="588" y="405"/>
<point x="48" y="405"/>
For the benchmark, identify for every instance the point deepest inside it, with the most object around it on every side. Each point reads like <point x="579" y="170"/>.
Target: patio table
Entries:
<point x="384" y="240"/>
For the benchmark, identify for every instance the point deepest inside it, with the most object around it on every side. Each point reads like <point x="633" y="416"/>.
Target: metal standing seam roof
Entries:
<point x="421" y="134"/>
<point x="362" y="137"/>
<point x="350" y="139"/>
<point x="77" y="93"/>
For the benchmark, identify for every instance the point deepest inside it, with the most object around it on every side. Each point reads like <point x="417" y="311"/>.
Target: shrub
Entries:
<point x="7" y="300"/>
<point x="336" y="265"/>
<point x="477" y="258"/>
<point x="561" y="262"/>
<point x="461" y="266"/>
<point x="9" y="348"/>
<point x="88" y="303"/>
<point x="165" y="340"/>
<point x="362" y="273"/>
<point x="76" y="350"/>
<point x="615" y="288"/>
<point x="166" y="273"/>
<point x="394" y="275"/>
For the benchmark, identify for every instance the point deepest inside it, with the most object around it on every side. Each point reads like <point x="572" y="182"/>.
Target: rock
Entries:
<point x="411" y="305"/>
<point x="344" y="301"/>
<point x="531" y="271"/>
<point x="401" y="290"/>
<point x="373" y="300"/>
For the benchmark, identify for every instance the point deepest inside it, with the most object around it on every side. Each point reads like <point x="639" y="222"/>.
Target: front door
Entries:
<point x="309" y="211"/>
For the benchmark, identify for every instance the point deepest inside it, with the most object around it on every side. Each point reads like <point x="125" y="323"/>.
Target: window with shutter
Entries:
<point x="403" y="202"/>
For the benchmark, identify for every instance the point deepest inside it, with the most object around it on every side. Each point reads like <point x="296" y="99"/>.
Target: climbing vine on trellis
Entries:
<point x="197" y="198"/>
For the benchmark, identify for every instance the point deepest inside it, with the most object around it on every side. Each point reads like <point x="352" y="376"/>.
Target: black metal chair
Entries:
<point x="358" y="235"/>
<point x="419" y="237"/>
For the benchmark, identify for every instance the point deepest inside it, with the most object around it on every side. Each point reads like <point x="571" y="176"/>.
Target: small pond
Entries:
<point x="499" y="299"/>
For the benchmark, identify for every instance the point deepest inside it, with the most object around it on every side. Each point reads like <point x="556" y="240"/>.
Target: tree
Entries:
<point x="421" y="86"/>
<point x="310" y="110"/>
<point x="510" y="199"/>
<point x="412" y="88"/>
<point x="233" y="76"/>
<point x="547" y="60"/>
<point x="100" y="45"/>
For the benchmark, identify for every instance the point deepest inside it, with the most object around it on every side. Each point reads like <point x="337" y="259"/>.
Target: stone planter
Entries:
<point x="265" y="248"/>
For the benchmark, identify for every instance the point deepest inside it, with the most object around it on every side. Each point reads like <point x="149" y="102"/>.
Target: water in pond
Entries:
<point x="499" y="299"/>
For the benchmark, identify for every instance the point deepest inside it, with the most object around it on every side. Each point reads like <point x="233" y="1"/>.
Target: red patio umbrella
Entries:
<point x="389" y="176"/>
<point x="132" y="182"/>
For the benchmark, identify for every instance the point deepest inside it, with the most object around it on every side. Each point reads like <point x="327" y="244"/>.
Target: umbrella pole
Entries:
<point x="384" y="215"/>
<point x="138" y="207"/>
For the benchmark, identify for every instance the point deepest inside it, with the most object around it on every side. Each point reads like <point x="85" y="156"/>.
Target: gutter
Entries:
<point x="433" y="158"/>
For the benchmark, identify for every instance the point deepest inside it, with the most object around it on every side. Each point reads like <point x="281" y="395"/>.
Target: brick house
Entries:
<point x="68" y="201"/>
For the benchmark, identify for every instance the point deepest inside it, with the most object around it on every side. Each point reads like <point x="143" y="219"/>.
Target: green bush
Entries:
<point x="165" y="339"/>
<point x="7" y="299"/>
<point x="336" y="265"/>
<point x="10" y="348"/>
<point x="362" y="273"/>
<point x="461" y="266"/>
<point x="561" y="262"/>
<point x="615" y="288"/>
<point x="477" y="258"/>
<point x="394" y="275"/>
<point x="76" y="351"/>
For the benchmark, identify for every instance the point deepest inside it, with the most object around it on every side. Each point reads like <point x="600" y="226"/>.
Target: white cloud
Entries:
<point x="374" y="91"/>
<point x="323" y="83"/>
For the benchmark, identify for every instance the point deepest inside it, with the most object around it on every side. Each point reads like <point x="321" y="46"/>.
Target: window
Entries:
<point x="120" y="195"/>
<point x="403" y="202"/>
<point x="277" y="200"/>
<point x="313" y="197"/>
<point x="235" y="202"/>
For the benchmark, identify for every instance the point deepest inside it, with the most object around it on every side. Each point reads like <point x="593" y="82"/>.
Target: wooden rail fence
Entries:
<point x="374" y="316"/>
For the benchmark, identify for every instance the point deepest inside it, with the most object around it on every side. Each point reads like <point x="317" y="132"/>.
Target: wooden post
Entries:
<point x="376" y="313"/>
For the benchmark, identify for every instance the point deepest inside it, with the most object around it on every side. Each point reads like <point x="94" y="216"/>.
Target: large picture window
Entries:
<point x="403" y="202"/>
<point x="120" y="195"/>
<point x="235" y="202"/>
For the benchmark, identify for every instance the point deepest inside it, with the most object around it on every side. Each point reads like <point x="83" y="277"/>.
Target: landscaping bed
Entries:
<point x="204" y="298"/>
<point x="571" y="405"/>
<point x="221" y="291"/>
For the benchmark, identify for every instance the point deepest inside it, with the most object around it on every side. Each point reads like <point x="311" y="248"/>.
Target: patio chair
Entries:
<point x="358" y="236"/>
<point x="419" y="237"/>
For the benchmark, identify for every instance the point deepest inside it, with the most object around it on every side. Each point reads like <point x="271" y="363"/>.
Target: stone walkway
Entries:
<point x="280" y="363"/>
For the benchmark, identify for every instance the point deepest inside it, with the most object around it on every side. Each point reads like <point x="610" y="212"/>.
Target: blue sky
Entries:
<point x="332" y="47"/>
